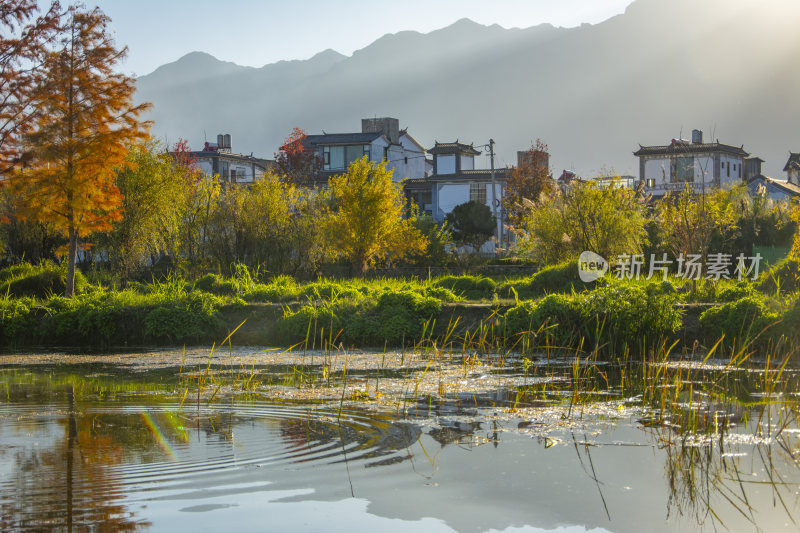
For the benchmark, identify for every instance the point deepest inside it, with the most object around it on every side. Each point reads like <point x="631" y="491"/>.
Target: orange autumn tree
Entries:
<point x="296" y="162"/>
<point x="86" y="123"/>
<point x="24" y="35"/>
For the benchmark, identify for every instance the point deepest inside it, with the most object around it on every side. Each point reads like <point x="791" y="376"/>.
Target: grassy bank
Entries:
<point x="549" y="310"/>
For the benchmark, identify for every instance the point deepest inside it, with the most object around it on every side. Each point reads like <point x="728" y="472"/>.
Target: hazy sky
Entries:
<point x="258" y="32"/>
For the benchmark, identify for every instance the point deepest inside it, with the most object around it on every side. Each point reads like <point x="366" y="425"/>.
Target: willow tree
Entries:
<point x="365" y="221"/>
<point x="156" y="189"/>
<point x="85" y="124"/>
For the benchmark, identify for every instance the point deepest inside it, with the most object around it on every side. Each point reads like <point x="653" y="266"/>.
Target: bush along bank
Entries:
<point x="609" y="316"/>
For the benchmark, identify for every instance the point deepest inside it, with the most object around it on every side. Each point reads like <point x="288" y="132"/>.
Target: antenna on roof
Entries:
<point x="205" y="138"/>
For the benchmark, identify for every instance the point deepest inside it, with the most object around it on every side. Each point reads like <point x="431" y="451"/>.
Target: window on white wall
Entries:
<point x="477" y="193"/>
<point x="683" y="169"/>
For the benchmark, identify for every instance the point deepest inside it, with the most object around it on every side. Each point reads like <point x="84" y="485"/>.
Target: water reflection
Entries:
<point x="64" y="481"/>
<point x="76" y="456"/>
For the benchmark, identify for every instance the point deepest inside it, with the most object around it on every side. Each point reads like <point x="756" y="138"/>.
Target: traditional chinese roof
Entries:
<point x="679" y="148"/>
<point x="472" y="175"/>
<point x="453" y="148"/>
<point x="787" y="188"/>
<point x="793" y="162"/>
<point x="228" y="156"/>
<point x="342" y="138"/>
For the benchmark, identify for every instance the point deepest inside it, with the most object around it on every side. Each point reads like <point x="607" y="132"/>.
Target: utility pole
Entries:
<point x="498" y="231"/>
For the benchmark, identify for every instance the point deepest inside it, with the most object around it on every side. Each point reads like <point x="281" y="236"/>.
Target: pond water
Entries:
<point x="142" y="442"/>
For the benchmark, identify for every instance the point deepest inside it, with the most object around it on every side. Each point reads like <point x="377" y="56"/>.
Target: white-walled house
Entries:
<point x="380" y="139"/>
<point x="455" y="181"/>
<point x="217" y="159"/>
<point x="701" y="165"/>
<point x="792" y="169"/>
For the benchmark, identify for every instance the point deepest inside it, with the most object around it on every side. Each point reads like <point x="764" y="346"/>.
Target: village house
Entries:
<point x="217" y="159"/>
<point x="792" y="169"/>
<point x="777" y="190"/>
<point x="701" y="165"/>
<point x="380" y="139"/>
<point x="455" y="181"/>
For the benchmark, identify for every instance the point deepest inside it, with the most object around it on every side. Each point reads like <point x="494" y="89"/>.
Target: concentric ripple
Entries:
<point x="79" y="464"/>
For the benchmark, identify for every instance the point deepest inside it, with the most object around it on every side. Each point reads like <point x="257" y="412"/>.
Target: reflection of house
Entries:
<point x="455" y="181"/>
<point x="701" y="165"/>
<point x="792" y="169"/>
<point x="218" y="160"/>
<point x="380" y="139"/>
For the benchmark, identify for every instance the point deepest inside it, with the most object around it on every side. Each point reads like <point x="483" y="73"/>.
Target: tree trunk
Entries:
<point x="360" y="266"/>
<point x="69" y="291"/>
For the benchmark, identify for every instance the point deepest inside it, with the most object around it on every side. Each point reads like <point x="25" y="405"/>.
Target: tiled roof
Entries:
<point x="453" y="148"/>
<point x="239" y="158"/>
<point x="793" y="162"/>
<point x="342" y="138"/>
<point x="789" y="188"/>
<point x="472" y="175"/>
<point x="686" y="148"/>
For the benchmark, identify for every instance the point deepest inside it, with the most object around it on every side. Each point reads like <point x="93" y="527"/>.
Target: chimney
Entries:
<point x="390" y="127"/>
<point x="537" y="159"/>
<point x="697" y="137"/>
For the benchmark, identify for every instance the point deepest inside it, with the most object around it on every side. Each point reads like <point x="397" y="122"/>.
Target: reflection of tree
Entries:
<point x="70" y="485"/>
<point x="704" y="478"/>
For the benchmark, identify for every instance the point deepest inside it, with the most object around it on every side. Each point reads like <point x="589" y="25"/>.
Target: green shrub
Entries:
<point x="784" y="277"/>
<point x="470" y="287"/>
<point x="38" y="281"/>
<point x="393" y="318"/>
<point x="742" y="321"/>
<point x="216" y="284"/>
<point x="16" y="318"/>
<point x="279" y="289"/>
<point x="610" y="317"/>
<point x="717" y="291"/>
<point x="562" y="278"/>
<point x="193" y="317"/>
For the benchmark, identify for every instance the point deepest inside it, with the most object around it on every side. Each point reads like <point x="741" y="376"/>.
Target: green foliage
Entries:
<point x="279" y="289"/>
<point x="717" y="291"/>
<point x="472" y="223"/>
<point x="439" y="238"/>
<point x="155" y="192"/>
<point x="742" y="321"/>
<point x="388" y="318"/>
<point x="185" y="319"/>
<point x="609" y="318"/>
<point x="216" y="284"/>
<point x="605" y="220"/>
<point x="690" y="222"/>
<point x="39" y="281"/>
<point x="365" y="221"/>
<point x="561" y="278"/>
<point x="162" y="312"/>
<point x="16" y="319"/>
<point x="469" y="287"/>
<point x="783" y="278"/>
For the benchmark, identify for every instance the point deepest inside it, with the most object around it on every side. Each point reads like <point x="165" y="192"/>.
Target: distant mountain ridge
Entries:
<point x="593" y="93"/>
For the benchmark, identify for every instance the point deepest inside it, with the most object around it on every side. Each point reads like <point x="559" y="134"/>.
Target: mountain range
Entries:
<point x="593" y="93"/>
